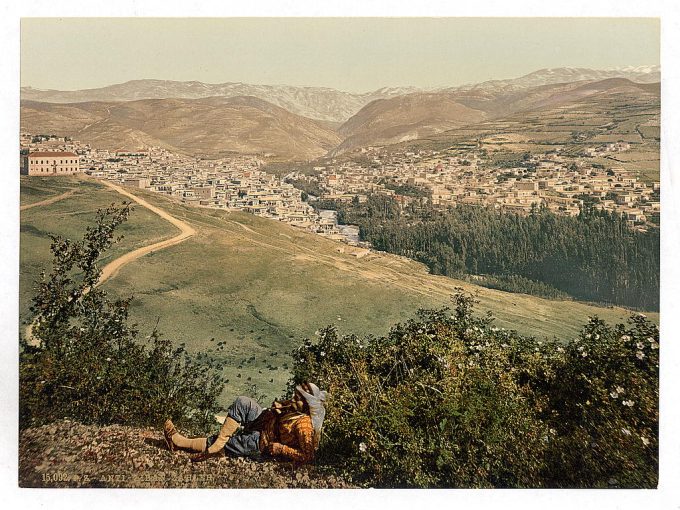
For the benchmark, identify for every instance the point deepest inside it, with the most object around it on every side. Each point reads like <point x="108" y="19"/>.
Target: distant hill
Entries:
<point x="640" y="74"/>
<point x="314" y="102"/>
<point x="208" y="126"/>
<point x="303" y="123"/>
<point x="416" y="116"/>
<point x="388" y="121"/>
<point x="321" y="103"/>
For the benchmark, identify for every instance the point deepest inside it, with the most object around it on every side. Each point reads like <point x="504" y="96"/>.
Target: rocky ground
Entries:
<point x="69" y="454"/>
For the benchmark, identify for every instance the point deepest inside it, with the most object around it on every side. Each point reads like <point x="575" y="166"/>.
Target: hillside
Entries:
<point x="214" y="126"/>
<point x="210" y="126"/>
<point x="119" y="456"/>
<point x="261" y="287"/>
<point x="408" y="117"/>
<point x="548" y="76"/>
<point x="320" y="103"/>
<point x="419" y="116"/>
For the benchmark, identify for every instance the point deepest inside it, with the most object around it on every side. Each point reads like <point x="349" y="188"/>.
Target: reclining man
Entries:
<point x="288" y="430"/>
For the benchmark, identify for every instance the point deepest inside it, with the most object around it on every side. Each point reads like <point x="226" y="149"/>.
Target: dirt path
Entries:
<point x="49" y="201"/>
<point x="110" y="269"/>
<point x="186" y="231"/>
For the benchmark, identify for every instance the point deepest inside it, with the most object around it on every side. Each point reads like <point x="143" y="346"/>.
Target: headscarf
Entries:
<point x="317" y="410"/>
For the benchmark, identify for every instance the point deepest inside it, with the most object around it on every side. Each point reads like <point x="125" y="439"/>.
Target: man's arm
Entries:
<point x="305" y="453"/>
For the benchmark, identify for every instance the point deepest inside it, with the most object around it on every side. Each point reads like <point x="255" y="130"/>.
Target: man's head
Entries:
<point x="315" y="400"/>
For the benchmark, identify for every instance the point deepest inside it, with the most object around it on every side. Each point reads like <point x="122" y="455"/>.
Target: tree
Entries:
<point x="86" y="362"/>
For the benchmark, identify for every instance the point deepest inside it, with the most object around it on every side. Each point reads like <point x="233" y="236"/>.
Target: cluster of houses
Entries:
<point x="560" y="183"/>
<point x="467" y="176"/>
<point x="234" y="183"/>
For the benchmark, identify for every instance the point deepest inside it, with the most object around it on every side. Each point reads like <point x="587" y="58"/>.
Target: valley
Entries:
<point x="251" y="289"/>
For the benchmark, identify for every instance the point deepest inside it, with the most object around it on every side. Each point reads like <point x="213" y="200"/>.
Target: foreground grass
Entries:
<point x="251" y="289"/>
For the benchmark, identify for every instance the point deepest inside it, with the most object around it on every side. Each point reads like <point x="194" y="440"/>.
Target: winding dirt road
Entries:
<point x="110" y="269"/>
<point x="48" y="201"/>
<point x="186" y="231"/>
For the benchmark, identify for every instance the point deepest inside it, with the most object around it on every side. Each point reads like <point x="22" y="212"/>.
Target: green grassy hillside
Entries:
<point x="251" y="288"/>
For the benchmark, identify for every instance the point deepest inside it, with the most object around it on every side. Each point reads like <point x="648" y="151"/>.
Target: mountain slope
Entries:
<point x="415" y="116"/>
<point x="321" y="103"/>
<point x="640" y="74"/>
<point x="387" y="121"/>
<point x="314" y="102"/>
<point x="209" y="126"/>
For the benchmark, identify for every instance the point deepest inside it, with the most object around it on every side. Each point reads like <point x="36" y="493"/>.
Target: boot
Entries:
<point x="176" y="440"/>
<point x="169" y="430"/>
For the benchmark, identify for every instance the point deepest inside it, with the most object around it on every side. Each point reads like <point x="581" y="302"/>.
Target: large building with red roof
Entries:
<point x="51" y="163"/>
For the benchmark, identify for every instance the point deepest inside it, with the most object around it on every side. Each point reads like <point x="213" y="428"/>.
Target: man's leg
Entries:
<point x="241" y="412"/>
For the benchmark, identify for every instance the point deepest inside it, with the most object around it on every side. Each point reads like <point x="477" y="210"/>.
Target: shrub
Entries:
<point x="448" y="400"/>
<point x="86" y="362"/>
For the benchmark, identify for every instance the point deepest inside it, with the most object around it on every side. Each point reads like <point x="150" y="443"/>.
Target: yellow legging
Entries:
<point x="198" y="444"/>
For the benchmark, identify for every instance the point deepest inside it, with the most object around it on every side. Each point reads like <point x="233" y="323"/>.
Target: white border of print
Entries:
<point x="668" y="494"/>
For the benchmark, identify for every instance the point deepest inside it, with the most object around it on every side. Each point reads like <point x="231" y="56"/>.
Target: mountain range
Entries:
<point x="302" y="123"/>
<point x="319" y="102"/>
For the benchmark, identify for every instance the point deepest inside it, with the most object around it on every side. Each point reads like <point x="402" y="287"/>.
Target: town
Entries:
<point x="447" y="178"/>
<point x="563" y="184"/>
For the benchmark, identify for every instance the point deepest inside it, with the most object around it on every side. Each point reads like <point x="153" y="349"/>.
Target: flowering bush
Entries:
<point x="449" y="400"/>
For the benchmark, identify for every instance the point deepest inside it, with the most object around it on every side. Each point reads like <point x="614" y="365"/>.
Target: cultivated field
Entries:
<point x="252" y="289"/>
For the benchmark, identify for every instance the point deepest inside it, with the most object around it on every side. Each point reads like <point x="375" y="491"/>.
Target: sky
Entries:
<point x="351" y="54"/>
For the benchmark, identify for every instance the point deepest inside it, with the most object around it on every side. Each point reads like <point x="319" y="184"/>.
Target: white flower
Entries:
<point x="619" y="389"/>
<point x="645" y="441"/>
<point x="584" y="354"/>
<point x="613" y="394"/>
<point x="580" y="349"/>
<point x="588" y="335"/>
<point x="650" y="339"/>
<point x="625" y="431"/>
<point x="640" y="355"/>
<point x="640" y="345"/>
<point x="597" y="337"/>
<point x="625" y="338"/>
<point x="628" y="403"/>
<point x="559" y="349"/>
<point x="108" y="359"/>
<point x="323" y="353"/>
<point x="654" y="345"/>
<point x="362" y="447"/>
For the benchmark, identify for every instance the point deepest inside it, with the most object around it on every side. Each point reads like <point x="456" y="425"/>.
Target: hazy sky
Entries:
<point x="352" y="54"/>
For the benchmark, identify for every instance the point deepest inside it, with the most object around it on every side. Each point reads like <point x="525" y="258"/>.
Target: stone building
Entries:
<point x="51" y="163"/>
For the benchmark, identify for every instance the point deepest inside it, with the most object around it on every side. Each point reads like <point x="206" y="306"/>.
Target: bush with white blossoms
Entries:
<point x="447" y="400"/>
